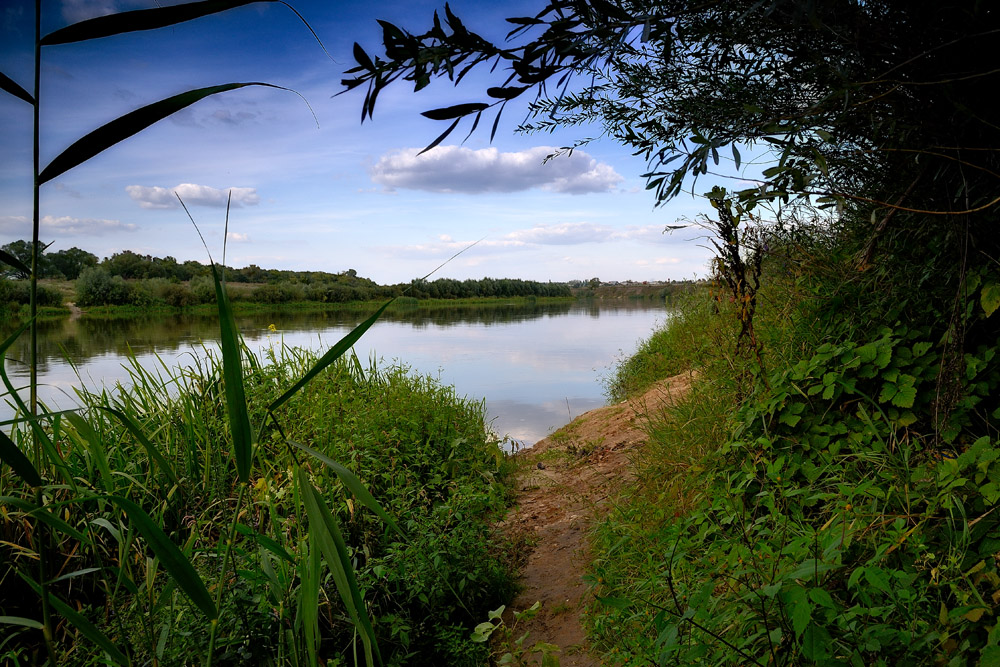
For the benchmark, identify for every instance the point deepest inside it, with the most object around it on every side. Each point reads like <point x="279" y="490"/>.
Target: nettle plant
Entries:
<point x="118" y="527"/>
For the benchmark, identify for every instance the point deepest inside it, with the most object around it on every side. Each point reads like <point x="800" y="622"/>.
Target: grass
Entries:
<point x="816" y="511"/>
<point x="423" y="452"/>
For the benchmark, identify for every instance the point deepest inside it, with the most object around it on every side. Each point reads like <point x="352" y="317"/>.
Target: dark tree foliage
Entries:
<point x="881" y="107"/>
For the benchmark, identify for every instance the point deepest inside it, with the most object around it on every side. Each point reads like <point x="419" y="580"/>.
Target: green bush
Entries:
<point x="278" y="293"/>
<point x="19" y="292"/>
<point x="95" y="287"/>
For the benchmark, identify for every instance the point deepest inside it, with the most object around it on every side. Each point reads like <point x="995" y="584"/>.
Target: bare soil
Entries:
<point x="564" y="486"/>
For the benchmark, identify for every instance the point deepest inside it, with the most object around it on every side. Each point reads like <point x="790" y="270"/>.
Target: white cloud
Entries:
<point x="236" y="237"/>
<point x="203" y="195"/>
<point x="562" y="234"/>
<point x="19" y="226"/>
<point x="456" y="169"/>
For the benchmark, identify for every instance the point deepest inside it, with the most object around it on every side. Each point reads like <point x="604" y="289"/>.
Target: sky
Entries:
<point x="314" y="188"/>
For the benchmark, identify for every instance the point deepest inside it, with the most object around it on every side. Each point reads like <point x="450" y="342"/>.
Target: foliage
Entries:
<point x="842" y="514"/>
<point x="18" y="292"/>
<point x="425" y="453"/>
<point x="95" y="287"/>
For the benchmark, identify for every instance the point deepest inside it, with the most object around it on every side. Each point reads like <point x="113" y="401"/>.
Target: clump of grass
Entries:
<point x="685" y="341"/>
<point x="423" y="452"/>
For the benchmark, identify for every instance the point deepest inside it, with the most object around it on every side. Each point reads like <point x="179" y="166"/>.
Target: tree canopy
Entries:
<point x="880" y="103"/>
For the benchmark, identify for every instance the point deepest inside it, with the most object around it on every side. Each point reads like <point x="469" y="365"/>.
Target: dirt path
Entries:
<point x="570" y="476"/>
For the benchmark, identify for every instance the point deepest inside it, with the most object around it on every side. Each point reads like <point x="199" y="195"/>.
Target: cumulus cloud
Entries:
<point x="457" y="169"/>
<point x="236" y="237"/>
<point x="57" y="226"/>
<point x="203" y="195"/>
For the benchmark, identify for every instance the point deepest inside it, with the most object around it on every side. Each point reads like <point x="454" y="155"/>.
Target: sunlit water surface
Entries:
<point x="536" y="366"/>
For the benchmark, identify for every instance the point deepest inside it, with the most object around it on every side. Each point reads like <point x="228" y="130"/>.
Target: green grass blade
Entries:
<point x="50" y="450"/>
<point x="12" y="456"/>
<point x="323" y="526"/>
<point x="232" y="372"/>
<point x="85" y="627"/>
<point x="334" y="353"/>
<point x="354" y="485"/>
<point x="265" y="542"/>
<point x="9" y="85"/>
<point x="44" y="516"/>
<point x="309" y="601"/>
<point x="8" y="258"/>
<point x="173" y="560"/>
<point x="94" y="445"/>
<point x="131" y="123"/>
<point x="23" y="622"/>
<point x="142" y="19"/>
<point x="136" y="432"/>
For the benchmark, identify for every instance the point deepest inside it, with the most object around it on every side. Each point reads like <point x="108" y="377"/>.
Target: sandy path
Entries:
<point x="566" y="484"/>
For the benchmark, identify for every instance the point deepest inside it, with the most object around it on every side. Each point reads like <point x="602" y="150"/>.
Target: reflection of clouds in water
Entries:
<point x="525" y="368"/>
<point x="528" y="423"/>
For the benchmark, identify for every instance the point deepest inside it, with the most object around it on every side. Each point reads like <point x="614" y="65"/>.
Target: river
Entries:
<point x="538" y="366"/>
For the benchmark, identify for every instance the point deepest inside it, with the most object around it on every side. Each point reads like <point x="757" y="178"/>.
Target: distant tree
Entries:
<point x="22" y="251"/>
<point x="70" y="263"/>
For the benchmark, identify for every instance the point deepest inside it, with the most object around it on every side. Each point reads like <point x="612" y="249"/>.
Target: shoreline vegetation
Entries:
<point x="97" y="293"/>
<point x="426" y="454"/>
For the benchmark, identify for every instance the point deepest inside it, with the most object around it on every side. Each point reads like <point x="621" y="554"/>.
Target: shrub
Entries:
<point x="95" y="287"/>
<point x="19" y="292"/>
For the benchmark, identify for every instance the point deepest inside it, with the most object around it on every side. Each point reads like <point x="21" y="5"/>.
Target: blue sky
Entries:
<point x="338" y="196"/>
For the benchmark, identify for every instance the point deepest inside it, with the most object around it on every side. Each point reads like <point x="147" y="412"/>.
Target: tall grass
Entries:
<point x="426" y="454"/>
<point x="819" y="510"/>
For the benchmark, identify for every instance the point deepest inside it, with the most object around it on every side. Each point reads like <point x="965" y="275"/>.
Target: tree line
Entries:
<point x="129" y="279"/>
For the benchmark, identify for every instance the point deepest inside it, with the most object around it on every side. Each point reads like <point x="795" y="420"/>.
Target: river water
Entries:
<point x="537" y="366"/>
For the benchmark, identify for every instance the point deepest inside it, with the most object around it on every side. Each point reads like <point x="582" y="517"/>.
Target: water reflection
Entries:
<point x="537" y="365"/>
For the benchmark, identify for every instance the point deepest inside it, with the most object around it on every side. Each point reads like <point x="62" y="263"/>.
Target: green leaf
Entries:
<point x="990" y="298"/>
<point x="44" y="516"/>
<point x="362" y="58"/>
<point x="84" y="626"/>
<point x="505" y="93"/>
<point x="878" y="578"/>
<point x="266" y="542"/>
<point x="232" y="372"/>
<point x="323" y="527"/>
<point x="816" y="643"/>
<point x="142" y="19"/>
<point x="8" y="258"/>
<point x="7" y="84"/>
<point x="334" y="353"/>
<point x="821" y="597"/>
<point x="173" y="560"/>
<point x="867" y="353"/>
<point x="20" y="620"/>
<point x="355" y="486"/>
<point x="889" y="390"/>
<point x="615" y="602"/>
<point x="137" y="433"/>
<point x="94" y="446"/>
<point x="131" y="123"/>
<point x="905" y="397"/>
<point x="455" y="111"/>
<point x="884" y="355"/>
<point x="19" y="463"/>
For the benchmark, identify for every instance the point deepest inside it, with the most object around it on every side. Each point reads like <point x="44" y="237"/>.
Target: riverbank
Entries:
<point x="401" y="304"/>
<point x="412" y="523"/>
<point x="806" y="502"/>
<point x="567" y="481"/>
